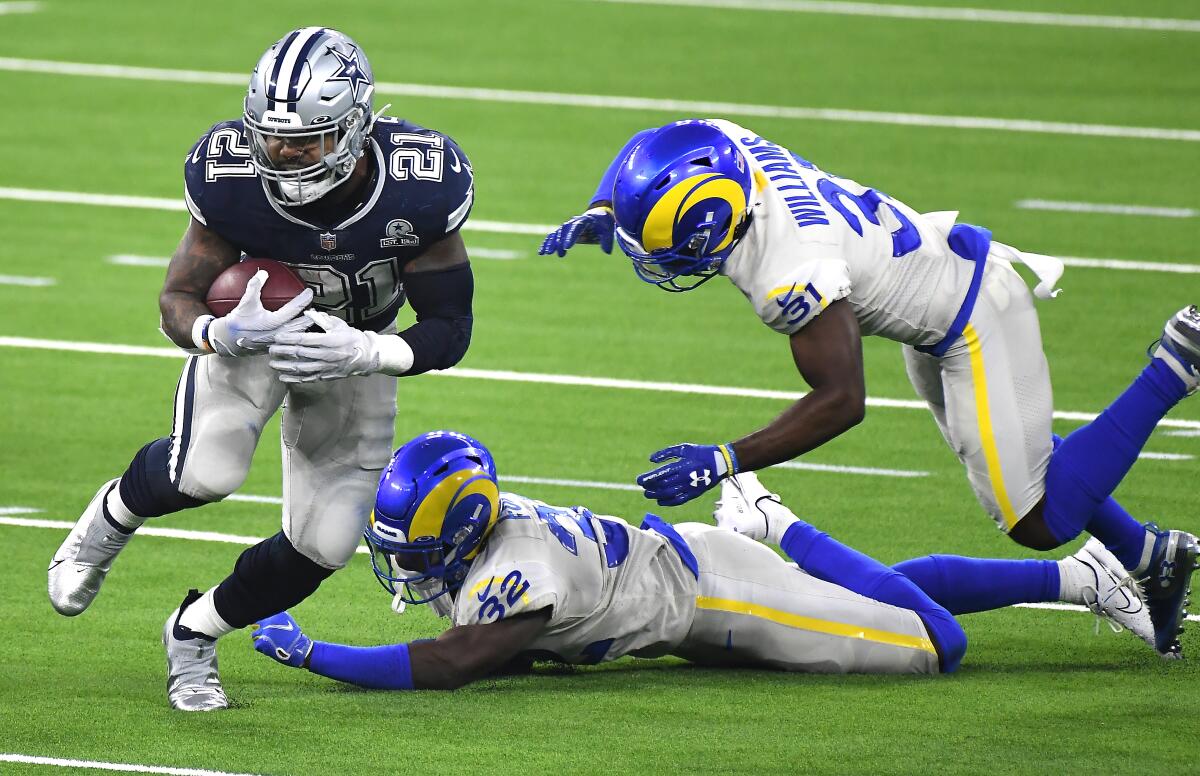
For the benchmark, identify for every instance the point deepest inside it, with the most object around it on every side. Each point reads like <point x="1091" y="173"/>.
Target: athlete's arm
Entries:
<point x="828" y="354"/>
<point x="467" y="653"/>
<point x="440" y="288"/>
<point x="461" y="655"/>
<point x="202" y="255"/>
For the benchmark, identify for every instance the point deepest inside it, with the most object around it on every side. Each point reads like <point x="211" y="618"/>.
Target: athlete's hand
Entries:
<point x="596" y="226"/>
<point x="696" y="468"/>
<point x="279" y="637"/>
<point x="337" y="351"/>
<point x="250" y="328"/>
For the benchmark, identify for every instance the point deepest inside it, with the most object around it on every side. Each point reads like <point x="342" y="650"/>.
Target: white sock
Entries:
<point x="779" y="519"/>
<point x="119" y="512"/>
<point x="1073" y="577"/>
<point x="202" y="617"/>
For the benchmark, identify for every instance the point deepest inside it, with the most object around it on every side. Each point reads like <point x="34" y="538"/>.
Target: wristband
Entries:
<point x="395" y="355"/>
<point x="200" y="332"/>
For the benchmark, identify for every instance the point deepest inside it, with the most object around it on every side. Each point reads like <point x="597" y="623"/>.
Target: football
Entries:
<point x="281" y="287"/>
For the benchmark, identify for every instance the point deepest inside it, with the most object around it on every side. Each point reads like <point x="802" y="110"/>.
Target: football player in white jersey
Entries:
<point x="826" y="261"/>
<point x="521" y="580"/>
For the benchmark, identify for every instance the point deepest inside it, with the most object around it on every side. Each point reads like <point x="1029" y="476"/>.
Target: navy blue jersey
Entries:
<point x="421" y="190"/>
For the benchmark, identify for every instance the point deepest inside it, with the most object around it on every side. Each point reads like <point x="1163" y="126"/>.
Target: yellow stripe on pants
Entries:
<point x="987" y="436"/>
<point x="813" y="624"/>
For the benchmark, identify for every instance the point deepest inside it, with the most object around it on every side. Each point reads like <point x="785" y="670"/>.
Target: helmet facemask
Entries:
<point x="312" y="90"/>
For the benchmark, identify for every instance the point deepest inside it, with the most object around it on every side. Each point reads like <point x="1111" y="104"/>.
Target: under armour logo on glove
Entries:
<point x="696" y="469"/>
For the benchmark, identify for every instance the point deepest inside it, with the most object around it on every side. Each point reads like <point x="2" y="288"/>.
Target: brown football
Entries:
<point x="282" y="285"/>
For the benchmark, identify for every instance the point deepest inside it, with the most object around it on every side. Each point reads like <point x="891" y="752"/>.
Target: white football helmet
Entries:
<point x="313" y="86"/>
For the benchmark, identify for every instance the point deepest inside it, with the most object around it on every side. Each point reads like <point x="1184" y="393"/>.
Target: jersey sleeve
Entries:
<point x="788" y="301"/>
<point x="458" y="187"/>
<point x="506" y="588"/>
<point x="218" y="161"/>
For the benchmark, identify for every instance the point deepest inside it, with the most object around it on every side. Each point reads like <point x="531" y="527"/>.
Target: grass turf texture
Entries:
<point x="1036" y="692"/>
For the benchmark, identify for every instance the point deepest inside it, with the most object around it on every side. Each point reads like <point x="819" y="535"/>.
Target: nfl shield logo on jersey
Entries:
<point x="328" y="241"/>
<point x="399" y="232"/>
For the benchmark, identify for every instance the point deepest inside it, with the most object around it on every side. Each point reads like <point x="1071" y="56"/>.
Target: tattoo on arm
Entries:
<point x="202" y="255"/>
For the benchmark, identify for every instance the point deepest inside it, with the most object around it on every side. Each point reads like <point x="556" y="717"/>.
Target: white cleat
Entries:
<point x="78" y="568"/>
<point x="193" y="683"/>
<point x="738" y="509"/>
<point x="1107" y="589"/>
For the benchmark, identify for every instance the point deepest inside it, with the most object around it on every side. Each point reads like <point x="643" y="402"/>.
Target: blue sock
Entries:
<point x="831" y="561"/>
<point x="1087" y="467"/>
<point x="964" y="585"/>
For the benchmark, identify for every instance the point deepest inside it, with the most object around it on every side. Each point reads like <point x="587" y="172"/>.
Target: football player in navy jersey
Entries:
<point x="366" y="209"/>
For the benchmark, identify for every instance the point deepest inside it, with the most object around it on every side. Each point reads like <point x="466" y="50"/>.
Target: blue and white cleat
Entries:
<point x="1165" y="575"/>
<point x="1180" y="346"/>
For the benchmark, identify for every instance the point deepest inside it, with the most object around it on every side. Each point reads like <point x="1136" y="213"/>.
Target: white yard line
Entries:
<point x="25" y="280"/>
<point x="1115" y="210"/>
<point x="1165" y="456"/>
<point x="1183" y="433"/>
<point x="60" y="762"/>
<point x="939" y="14"/>
<point x="7" y="8"/>
<point x="541" y="378"/>
<point x="209" y="536"/>
<point x="474" y="225"/>
<point x="607" y="102"/>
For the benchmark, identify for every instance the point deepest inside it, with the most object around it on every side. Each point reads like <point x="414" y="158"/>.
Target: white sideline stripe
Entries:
<point x="18" y="511"/>
<point x="208" y="536"/>
<point x="7" y="8"/>
<point x="548" y="379"/>
<point x="825" y="467"/>
<point x="1117" y="210"/>
<point x="685" y="107"/>
<point x="1166" y="456"/>
<point x="499" y="227"/>
<point x="943" y="14"/>
<point x="177" y="205"/>
<point x="493" y="253"/>
<point x="25" y="280"/>
<point x="1183" y="433"/>
<point x="106" y="766"/>
<point x="1181" y="268"/>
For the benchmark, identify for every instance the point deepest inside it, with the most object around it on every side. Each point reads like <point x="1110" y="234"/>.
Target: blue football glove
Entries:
<point x="696" y="469"/>
<point x="279" y="637"/>
<point x="596" y="226"/>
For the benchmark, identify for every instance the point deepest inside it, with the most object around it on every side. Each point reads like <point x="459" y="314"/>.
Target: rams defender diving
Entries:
<point x="825" y="261"/>
<point x="523" y="580"/>
<point x="366" y="209"/>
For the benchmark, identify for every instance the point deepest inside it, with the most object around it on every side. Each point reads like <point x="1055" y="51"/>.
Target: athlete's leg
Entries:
<point x="336" y="440"/>
<point x="221" y="405"/>
<point x="754" y="608"/>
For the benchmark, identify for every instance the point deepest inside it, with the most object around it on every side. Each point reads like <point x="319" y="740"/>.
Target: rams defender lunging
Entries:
<point x="825" y="261"/>
<point x="367" y="210"/>
<point x="521" y="580"/>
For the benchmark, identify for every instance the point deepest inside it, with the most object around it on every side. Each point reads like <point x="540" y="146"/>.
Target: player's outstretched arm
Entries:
<point x="202" y="255"/>
<point x="461" y="655"/>
<point x="828" y="354"/>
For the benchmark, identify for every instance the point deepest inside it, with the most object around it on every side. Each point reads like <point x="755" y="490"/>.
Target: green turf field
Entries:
<point x="1037" y="692"/>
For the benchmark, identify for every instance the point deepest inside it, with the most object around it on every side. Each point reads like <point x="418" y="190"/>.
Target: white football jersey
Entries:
<point x="816" y="238"/>
<point x="612" y="589"/>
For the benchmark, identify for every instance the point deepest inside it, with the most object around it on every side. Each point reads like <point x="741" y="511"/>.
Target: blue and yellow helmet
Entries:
<point x="681" y="200"/>
<point x="437" y="502"/>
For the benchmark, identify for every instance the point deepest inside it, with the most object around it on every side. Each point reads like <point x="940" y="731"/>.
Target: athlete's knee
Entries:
<point x="949" y="639"/>
<point x="147" y="487"/>
<point x="1031" y="530"/>
<point x="328" y="551"/>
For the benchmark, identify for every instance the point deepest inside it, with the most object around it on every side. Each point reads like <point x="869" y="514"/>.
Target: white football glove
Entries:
<point x="748" y="508"/>
<point x="250" y="328"/>
<point x="338" y="351"/>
